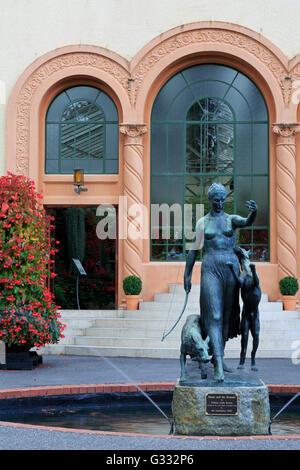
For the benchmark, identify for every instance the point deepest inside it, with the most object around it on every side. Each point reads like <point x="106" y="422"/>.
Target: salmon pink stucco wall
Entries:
<point x="133" y="86"/>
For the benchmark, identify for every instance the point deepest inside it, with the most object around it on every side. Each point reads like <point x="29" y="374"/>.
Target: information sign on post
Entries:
<point x="79" y="266"/>
<point x="81" y="271"/>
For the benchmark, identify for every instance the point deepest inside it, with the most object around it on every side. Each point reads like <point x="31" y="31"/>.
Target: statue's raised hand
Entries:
<point x="252" y="206"/>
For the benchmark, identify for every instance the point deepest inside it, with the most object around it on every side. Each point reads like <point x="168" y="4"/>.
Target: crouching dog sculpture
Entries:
<point x="248" y="282"/>
<point x="193" y="345"/>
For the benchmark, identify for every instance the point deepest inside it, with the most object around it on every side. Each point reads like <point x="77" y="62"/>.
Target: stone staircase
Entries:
<point x="138" y="333"/>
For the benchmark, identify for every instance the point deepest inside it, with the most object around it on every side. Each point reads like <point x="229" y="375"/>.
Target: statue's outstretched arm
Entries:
<point x="240" y="222"/>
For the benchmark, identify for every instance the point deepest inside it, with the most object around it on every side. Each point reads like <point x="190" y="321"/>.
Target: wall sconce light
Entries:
<point x="78" y="180"/>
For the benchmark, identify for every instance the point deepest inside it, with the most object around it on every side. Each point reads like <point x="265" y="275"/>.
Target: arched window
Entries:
<point x="82" y="131"/>
<point x="209" y="123"/>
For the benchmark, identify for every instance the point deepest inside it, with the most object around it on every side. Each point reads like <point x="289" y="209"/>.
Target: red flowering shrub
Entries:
<point x="28" y="314"/>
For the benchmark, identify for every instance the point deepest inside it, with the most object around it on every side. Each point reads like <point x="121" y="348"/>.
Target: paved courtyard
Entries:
<point x="60" y="370"/>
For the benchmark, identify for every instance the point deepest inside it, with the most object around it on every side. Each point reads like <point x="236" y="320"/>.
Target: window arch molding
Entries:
<point x="216" y="42"/>
<point x="38" y="85"/>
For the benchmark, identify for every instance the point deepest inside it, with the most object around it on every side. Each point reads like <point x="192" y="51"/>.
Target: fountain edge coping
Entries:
<point x="75" y="389"/>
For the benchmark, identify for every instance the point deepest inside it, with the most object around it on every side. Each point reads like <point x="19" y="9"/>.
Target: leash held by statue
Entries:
<point x="178" y="319"/>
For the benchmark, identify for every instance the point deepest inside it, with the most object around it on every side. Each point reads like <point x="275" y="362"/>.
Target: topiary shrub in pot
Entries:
<point x="132" y="286"/>
<point x="288" y="288"/>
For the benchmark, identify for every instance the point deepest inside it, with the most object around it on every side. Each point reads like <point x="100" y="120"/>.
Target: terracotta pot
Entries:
<point x="132" y="302"/>
<point x="289" y="302"/>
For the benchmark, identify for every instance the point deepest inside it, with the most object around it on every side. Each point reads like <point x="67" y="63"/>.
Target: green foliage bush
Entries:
<point x="288" y="285"/>
<point x="132" y="285"/>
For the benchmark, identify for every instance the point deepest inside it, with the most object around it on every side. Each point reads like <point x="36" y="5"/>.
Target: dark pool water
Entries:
<point x="140" y="419"/>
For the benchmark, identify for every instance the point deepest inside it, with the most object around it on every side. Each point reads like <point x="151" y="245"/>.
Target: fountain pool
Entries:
<point x="121" y="412"/>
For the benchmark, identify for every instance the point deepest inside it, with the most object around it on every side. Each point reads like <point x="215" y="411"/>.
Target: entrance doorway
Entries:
<point x="75" y="230"/>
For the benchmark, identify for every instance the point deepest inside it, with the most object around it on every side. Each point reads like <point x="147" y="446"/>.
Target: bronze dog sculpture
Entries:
<point x="193" y="345"/>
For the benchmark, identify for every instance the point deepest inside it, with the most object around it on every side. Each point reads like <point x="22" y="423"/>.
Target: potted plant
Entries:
<point x="132" y="286"/>
<point x="29" y="316"/>
<point x="289" y="287"/>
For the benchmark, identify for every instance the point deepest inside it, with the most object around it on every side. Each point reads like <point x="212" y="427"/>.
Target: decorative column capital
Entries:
<point x="133" y="130"/>
<point x="286" y="129"/>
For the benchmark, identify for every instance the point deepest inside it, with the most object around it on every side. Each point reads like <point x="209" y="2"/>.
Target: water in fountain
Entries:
<point x="108" y="361"/>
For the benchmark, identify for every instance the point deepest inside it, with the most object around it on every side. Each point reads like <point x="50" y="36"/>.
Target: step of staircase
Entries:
<point x="167" y="353"/>
<point x="193" y="306"/>
<point x="138" y="333"/>
<point x="167" y="314"/>
<point x="266" y="327"/>
<point x="170" y="343"/>
<point x="161" y="323"/>
<point x="171" y="297"/>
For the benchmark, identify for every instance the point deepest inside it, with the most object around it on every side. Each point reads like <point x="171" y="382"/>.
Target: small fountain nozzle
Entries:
<point x="172" y="429"/>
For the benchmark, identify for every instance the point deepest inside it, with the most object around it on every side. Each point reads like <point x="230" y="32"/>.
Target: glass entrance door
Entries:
<point x="75" y="230"/>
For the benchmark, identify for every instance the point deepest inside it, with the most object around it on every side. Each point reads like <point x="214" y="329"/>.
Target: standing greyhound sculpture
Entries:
<point x="248" y="281"/>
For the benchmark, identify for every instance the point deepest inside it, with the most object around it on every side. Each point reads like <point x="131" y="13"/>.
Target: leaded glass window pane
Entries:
<point x="210" y="123"/>
<point x="82" y="130"/>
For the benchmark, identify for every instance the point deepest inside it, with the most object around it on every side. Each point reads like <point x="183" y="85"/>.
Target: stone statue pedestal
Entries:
<point x="239" y="406"/>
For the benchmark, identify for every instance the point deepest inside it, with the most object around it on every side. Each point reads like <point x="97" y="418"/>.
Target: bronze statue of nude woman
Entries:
<point x="219" y="294"/>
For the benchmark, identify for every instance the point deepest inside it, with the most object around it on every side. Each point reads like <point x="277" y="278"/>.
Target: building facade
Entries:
<point x="187" y="104"/>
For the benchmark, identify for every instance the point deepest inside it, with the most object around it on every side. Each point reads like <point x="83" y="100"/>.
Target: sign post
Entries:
<point x="80" y="271"/>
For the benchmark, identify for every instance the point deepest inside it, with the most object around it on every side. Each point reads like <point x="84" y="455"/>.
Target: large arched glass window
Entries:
<point x="82" y="131"/>
<point x="209" y="123"/>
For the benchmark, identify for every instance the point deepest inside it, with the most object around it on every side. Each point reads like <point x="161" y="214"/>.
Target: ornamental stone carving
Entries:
<point x="133" y="130"/>
<point x="286" y="84"/>
<point x="286" y="129"/>
<point x="201" y="36"/>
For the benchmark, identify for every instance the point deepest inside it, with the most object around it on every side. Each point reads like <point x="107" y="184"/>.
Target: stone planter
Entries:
<point x="21" y="359"/>
<point x="132" y="302"/>
<point x="289" y="302"/>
